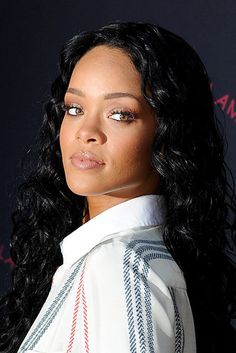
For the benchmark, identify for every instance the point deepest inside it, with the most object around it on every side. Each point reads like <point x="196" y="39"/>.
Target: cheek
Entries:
<point x="64" y="137"/>
<point x="134" y="151"/>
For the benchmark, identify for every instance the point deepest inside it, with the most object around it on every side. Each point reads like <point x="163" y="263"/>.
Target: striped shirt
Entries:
<point x="119" y="289"/>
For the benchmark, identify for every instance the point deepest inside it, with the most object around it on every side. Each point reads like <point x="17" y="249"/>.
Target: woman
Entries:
<point x="130" y="187"/>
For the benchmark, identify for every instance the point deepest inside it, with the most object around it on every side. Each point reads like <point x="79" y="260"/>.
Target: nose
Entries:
<point x="91" y="132"/>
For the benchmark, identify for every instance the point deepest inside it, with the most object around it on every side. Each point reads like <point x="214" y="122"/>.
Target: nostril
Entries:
<point x="86" y="139"/>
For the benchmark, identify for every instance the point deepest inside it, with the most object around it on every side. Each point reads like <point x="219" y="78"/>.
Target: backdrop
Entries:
<point x="32" y="33"/>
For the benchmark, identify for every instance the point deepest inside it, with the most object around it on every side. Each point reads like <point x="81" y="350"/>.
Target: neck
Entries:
<point x="98" y="204"/>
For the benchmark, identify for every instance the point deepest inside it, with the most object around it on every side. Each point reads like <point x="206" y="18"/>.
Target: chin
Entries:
<point x="83" y="191"/>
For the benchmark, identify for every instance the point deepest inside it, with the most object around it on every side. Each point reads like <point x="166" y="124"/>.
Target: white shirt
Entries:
<point x="119" y="289"/>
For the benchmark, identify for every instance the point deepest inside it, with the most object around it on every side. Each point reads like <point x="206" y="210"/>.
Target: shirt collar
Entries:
<point x="145" y="210"/>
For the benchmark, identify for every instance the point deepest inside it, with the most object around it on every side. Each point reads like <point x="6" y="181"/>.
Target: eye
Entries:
<point x="72" y="109"/>
<point x="123" y="116"/>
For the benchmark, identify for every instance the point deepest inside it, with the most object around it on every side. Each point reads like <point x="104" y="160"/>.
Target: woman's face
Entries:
<point x="107" y="119"/>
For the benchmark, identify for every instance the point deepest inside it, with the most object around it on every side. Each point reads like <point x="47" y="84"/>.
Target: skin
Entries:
<point x="124" y="147"/>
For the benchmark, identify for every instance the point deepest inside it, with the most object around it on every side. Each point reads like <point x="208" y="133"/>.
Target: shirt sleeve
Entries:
<point x="127" y="307"/>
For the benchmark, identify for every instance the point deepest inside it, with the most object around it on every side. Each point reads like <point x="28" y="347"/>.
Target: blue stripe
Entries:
<point x="153" y="256"/>
<point x="179" y="328"/>
<point x="52" y="311"/>
<point x="148" y="309"/>
<point x="138" y="301"/>
<point x="148" y="304"/>
<point x="128" y="297"/>
<point x="141" y="278"/>
<point x="135" y="242"/>
<point x="147" y="298"/>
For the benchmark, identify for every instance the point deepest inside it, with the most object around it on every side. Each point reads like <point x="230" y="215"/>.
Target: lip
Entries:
<point x="86" y="160"/>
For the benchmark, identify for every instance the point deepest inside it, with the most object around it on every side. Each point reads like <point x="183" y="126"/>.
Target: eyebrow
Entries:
<point x="78" y="92"/>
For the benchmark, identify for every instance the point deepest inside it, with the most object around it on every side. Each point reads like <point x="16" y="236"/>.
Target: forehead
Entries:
<point x="111" y="55"/>
<point x="103" y="65"/>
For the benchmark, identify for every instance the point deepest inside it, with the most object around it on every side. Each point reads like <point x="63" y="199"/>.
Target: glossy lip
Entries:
<point x="86" y="160"/>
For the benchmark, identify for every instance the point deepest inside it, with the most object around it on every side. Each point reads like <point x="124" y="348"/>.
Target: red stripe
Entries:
<point x="86" y="336"/>
<point x="75" y="312"/>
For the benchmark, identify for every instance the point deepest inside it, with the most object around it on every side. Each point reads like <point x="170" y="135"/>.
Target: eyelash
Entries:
<point x="129" y="114"/>
<point x="67" y="107"/>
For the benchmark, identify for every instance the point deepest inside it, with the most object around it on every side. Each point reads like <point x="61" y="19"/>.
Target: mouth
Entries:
<point x="86" y="160"/>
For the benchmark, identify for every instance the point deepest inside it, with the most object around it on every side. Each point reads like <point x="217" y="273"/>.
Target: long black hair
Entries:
<point x="201" y="203"/>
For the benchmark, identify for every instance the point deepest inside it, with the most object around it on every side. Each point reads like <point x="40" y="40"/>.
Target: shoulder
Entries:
<point x="141" y="251"/>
